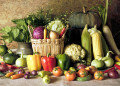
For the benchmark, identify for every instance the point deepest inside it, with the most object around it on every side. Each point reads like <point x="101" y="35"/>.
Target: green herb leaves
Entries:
<point x="20" y="33"/>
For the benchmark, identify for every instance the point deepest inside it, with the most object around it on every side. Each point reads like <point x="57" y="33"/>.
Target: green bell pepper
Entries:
<point x="63" y="61"/>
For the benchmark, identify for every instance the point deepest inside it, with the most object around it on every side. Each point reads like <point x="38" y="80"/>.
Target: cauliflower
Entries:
<point x="74" y="51"/>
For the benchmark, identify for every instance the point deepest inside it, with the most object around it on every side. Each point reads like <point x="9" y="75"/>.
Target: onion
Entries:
<point x="54" y="35"/>
<point x="34" y="72"/>
<point x="3" y="68"/>
<point x="21" y="71"/>
<point x="26" y="76"/>
<point x="38" y="33"/>
<point x="113" y="74"/>
<point x="81" y="66"/>
<point x="10" y="70"/>
<point x="28" y="73"/>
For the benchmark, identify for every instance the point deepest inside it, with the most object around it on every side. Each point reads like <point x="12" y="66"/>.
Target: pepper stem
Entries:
<point x="35" y="53"/>
<point x="108" y="54"/>
<point x="22" y="54"/>
<point x="48" y="54"/>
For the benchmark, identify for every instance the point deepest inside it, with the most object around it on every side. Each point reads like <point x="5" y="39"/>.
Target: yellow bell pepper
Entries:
<point x="34" y="62"/>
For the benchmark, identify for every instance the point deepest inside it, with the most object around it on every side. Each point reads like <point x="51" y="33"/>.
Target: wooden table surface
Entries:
<point x="58" y="81"/>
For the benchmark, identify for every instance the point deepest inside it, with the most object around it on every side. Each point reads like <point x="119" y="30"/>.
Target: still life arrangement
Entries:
<point x="80" y="47"/>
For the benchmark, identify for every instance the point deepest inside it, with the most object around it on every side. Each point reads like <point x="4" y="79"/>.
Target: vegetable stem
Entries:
<point x="106" y="12"/>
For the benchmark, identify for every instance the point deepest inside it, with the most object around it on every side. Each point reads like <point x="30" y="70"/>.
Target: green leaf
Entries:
<point x="19" y="21"/>
<point x="5" y="30"/>
<point x="15" y="33"/>
<point x="7" y="38"/>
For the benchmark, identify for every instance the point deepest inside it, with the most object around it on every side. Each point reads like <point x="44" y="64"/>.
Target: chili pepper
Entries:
<point x="48" y="62"/>
<point x="2" y="74"/>
<point x="62" y="32"/>
<point x="106" y="71"/>
<point x="45" y="33"/>
<point x="117" y="66"/>
<point x="43" y="73"/>
<point x="46" y="79"/>
<point x="9" y="74"/>
<point x="10" y="66"/>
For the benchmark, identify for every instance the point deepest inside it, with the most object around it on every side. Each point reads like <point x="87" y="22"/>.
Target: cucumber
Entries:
<point x="87" y="78"/>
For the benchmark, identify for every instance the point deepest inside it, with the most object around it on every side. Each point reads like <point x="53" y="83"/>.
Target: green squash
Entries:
<point x="80" y="19"/>
<point x="3" y="49"/>
<point x="10" y="58"/>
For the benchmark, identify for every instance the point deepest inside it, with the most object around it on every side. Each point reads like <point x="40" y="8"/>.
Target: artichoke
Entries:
<point x="75" y="51"/>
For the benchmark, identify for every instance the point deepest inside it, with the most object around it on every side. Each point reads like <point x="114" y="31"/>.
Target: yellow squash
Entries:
<point x="34" y="62"/>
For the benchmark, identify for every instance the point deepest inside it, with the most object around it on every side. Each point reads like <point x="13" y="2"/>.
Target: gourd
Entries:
<point x="80" y="19"/>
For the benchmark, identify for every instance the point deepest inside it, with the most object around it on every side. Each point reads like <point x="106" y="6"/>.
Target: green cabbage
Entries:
<point x="56" y="26"/>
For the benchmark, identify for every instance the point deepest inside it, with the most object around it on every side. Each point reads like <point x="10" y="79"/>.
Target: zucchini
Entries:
<point x="87" y="78"/>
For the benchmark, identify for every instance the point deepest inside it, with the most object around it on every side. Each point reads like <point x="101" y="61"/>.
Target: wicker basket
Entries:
<point x="45" y="46"/>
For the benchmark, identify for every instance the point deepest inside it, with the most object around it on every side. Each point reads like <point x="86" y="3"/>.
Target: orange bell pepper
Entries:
<point x="34" y="62"/>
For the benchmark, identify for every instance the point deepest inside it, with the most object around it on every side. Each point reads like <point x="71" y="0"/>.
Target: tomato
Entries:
<point x="70" y="75"/>
<point x="57" y="71"/>
<point x="91" y="69"/>
<point x="82" y="72"/>
<point x="99" y="75"/>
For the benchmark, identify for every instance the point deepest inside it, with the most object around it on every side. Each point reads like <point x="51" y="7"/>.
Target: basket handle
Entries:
<point x="30" y="31"/>
<point x="67" y="27"/>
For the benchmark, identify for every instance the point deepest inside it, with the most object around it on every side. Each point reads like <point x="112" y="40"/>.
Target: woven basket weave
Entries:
<point x="45" y="46"/>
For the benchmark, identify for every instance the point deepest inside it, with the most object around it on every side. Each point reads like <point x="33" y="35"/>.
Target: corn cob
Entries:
<point x="86" y="44"/>
<point x="96" y="43"/>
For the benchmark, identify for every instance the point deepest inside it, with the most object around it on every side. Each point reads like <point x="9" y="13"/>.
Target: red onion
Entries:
<point x="38" y="33"/>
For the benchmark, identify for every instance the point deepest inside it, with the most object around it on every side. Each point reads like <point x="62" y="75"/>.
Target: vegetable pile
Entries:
<point x="86" y="56"/>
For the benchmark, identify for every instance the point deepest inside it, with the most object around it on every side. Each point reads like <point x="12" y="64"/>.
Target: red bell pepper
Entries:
<point x="48" y="63"/>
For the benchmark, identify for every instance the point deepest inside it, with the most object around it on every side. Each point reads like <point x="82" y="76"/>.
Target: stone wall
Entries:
<point x="13" y="9"/>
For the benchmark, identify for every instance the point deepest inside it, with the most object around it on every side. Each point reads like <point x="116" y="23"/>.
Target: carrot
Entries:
<point x="9" y="74"/>
<point x="16" y="76"/>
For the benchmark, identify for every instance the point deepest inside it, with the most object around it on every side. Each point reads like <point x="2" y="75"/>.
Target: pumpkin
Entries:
<point x="80" y="19"/>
